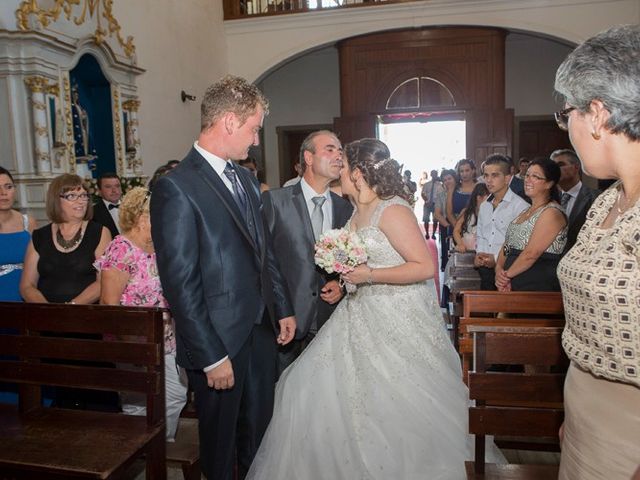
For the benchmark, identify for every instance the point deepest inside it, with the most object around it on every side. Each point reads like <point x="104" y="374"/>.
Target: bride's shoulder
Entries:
<point x="390" y="206"/>
<point x="393" y="201"/>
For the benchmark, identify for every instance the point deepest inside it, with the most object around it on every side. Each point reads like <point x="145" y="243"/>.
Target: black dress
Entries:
<point x="63" y="276"/>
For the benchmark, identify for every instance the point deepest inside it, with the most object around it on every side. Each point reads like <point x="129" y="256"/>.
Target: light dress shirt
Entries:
<point x="114" y="212"/>
<point x="291" y="181"/>
<point x="327" y="211"/>
<point x="493" y="223"/>
<point x="218" y="164"/>
<point x="573" y="192"/>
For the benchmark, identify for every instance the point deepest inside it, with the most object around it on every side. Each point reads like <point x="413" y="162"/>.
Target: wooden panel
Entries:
<point x="540" y="138"/>
<point x="507" y="387"/>
<point x="512" y="302"/>
<point x="353" y="128"/>
<point x="515" y="421"/>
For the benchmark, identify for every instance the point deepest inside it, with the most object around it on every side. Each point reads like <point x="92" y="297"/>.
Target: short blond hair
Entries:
<point x="231" y="94"/>
<point x="133" y="205"/>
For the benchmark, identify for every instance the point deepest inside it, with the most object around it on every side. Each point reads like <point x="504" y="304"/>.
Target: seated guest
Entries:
<point x="58" y="265"/>
<point x="536" y="239"/>
<point x="105" y="210"/>
<point x="15" y="233"/>
<point x="575" y="197"/>
<point x="464" y="232"/>
<point x="523" y="165"/>
<point x="129" y="276"/>
<point x="494" y="216"/>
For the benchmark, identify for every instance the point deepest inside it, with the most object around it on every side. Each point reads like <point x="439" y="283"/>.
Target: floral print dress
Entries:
<point x="144" y="288"/>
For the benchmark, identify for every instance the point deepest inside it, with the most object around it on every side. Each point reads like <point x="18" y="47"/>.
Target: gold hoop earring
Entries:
<point x="596" y="136"/>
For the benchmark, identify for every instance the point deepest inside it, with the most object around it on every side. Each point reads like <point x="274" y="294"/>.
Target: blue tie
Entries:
<point x="237" y="192"/>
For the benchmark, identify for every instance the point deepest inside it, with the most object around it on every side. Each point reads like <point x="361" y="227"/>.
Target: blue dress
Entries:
<point x="12" y="249"/>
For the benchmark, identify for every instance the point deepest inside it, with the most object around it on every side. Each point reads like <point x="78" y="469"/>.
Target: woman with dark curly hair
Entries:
<point x="378" y="393"/>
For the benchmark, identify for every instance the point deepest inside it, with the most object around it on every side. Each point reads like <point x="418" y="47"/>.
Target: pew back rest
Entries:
<point x="50" y="344"/>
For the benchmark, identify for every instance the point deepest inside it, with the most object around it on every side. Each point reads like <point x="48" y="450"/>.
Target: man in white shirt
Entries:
<point x="295" y="223"/>
<point x="575" y="197"/>
<point x="494" y="216"/>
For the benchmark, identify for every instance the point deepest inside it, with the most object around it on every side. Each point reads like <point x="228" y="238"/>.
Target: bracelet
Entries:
<point x="370" y="277"/>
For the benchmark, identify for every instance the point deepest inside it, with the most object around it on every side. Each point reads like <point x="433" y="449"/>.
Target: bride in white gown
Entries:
<point x="378" y="393"/>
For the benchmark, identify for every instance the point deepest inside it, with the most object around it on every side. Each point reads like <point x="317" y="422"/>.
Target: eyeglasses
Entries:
<point x="562" y="118"/>
<point x="72" y="197"/>
<point x="535" y="177"/>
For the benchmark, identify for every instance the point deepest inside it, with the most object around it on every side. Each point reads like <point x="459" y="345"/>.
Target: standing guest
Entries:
<point x="58" y="265"/>
<point x="535" y="240"/>
<point x="523" y="165"/>
<point x="458" y="198"/>
<point x="576" y="198"/>
<point x="295" y="224"/>
<point x="464" y="232"/>
<point x="105" y="210"/>
<point x="494" y="216"/>
<point x="449" y="182"/>
<point x="250" y="164"/>
<point x="220" y="276"/>
<point x="429" y="192"/>
<point x="599" y="275"/>
<point x="292" y="181"/>
<point x="129" y="276"/>
<point x="15" y="233"/>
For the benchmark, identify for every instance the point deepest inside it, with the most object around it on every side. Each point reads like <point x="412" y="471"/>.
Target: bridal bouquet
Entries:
<point x="340" y="251"/>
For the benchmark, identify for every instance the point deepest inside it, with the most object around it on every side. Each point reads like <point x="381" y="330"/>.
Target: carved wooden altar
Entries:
<point x="39" y="60"/>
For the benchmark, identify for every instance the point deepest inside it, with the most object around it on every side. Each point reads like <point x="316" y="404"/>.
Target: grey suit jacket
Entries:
<point x="581" y="206"/>
<point x="287" y="218"/>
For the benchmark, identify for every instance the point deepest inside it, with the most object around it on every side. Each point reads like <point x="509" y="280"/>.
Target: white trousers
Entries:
<point x="175" y="380"/>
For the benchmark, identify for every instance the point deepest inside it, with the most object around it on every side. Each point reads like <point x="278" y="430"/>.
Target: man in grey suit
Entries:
<point x="296" y="216"/>
<point x="576" y="198"/>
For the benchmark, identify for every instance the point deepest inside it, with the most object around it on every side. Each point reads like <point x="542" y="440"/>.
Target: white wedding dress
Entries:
<point x="377" y="394"/>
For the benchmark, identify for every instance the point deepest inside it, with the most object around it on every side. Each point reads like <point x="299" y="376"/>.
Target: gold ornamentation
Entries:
<point x="36" y="84"/>
<point x="42" y="131"/>
<point x="53" y="89"/>
<point x="45" y="16"/>
<point x="69" y="123"/>
<point x="131" y="105"/>
<point x="38" y="105"/>
<point x="117" y="112"/>
<point x="42" y="156"/>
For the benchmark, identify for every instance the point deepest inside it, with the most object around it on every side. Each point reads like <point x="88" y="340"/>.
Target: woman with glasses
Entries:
<point x="600" y="275"/>
<point x="15" y="233"/>
<point x="58" y="266"/>
<point x="129" y="276"/>
<point x="536" y="238"/>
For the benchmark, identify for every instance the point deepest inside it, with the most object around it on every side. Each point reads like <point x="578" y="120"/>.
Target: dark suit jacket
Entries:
<point x="517" y="186"/>
<point x="217" y="280"/>
<point x="581" y="206"/>
<point x="103" y="217"/>
<point x="287" y="219"/>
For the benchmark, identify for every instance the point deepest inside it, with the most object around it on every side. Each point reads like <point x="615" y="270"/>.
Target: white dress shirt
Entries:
<point x="493" y="223"/>
<point x="327" y="211"/>
<point x="573" y="192"/>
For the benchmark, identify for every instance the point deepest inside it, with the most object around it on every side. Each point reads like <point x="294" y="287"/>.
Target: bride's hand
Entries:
<point x="360" y="274"/>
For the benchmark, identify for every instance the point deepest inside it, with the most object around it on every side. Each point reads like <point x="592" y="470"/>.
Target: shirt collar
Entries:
<point x="573" y="191"/>
<point x="507" y="196"/>
<point x="217" y="163"/>
<point x="309" y="192"/>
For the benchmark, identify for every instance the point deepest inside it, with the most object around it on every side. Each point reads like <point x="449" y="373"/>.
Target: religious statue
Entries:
<point x="85" y="153"/>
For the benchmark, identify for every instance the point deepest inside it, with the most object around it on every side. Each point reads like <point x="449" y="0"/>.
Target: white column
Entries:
<point x="42" y="153"/>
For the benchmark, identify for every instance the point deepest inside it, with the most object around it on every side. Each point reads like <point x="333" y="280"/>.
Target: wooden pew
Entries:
<point x="539" y="396"/>
<point x="47" y="443"/>
<point x="526" y="309"/>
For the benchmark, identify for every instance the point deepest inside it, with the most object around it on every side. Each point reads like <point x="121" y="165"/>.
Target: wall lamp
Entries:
<point x="185" y="96"/>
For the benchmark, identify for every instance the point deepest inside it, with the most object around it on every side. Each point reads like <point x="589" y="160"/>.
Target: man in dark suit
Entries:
<point x="289" y="214"/>
<point x="105" y="210"/>
<point x="221" y="279"/>
<point x="576" y="198"/>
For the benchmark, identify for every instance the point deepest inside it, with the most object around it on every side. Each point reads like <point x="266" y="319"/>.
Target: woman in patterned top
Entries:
<point x="130" y="277"/>
<point x="536" y="238"/>
<point x="600" y="275"/>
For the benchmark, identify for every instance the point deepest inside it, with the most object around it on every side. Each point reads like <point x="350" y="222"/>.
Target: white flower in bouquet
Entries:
<point x="340" y="251"/>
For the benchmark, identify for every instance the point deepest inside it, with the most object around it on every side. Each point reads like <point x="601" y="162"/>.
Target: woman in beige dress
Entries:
<point x="600" y="275"/>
